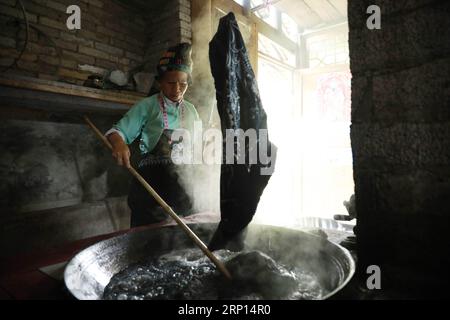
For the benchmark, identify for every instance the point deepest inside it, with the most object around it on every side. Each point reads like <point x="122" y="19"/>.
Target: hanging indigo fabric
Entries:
<point x="240" y="109"/>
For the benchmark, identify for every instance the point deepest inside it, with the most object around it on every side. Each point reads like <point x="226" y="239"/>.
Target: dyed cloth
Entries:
<point x="239" y="106"/>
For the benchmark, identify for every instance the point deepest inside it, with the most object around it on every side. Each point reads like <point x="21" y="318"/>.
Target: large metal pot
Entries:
<point x="87" y="274"/>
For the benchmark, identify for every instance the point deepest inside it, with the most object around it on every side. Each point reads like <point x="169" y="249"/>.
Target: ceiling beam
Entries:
<point x="327" y="12"/>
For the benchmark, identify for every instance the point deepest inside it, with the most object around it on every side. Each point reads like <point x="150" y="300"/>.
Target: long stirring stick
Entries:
<point x="166" y="207"/>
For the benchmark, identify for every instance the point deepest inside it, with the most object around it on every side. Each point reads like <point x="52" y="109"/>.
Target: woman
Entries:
<point x="153" y="120"/>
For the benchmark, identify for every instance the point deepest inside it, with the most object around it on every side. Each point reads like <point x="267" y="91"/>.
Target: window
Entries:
<point x="327" y="48"/>
<point x="289" y="27"/>
<point x="272" y="49"/>
<point x="308" y="112"/>
<point x="268" y="14"/>
<point x="327" y="163"/>
<point x="279" y="205"/>
<point x="240" y="2"/>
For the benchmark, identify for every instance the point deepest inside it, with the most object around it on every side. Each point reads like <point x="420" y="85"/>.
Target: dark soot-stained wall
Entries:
<point x="401" y="142"/>
<point x="58" y="183"/>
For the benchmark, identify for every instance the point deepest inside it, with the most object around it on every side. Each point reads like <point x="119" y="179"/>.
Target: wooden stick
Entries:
<point x="166" y="207"/>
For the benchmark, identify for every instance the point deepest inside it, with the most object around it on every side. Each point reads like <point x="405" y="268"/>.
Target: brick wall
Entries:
<point x="170" y="27"/>
<point x="112" y="36"/>
<point x="401" y="141"/>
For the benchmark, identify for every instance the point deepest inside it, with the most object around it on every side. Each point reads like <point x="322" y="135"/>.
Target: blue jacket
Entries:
<point x="146" y="118"/>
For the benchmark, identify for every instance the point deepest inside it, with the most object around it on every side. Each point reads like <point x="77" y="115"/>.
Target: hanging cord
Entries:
<point x="26" y="38"/>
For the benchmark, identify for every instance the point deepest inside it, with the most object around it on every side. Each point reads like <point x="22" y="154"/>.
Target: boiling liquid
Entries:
<point x="188" y="274"/>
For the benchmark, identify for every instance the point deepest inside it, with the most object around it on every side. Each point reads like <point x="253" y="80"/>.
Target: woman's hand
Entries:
<point x="120" y="151"/>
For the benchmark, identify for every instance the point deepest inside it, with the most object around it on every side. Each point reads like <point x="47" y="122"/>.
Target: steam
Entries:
<point x="202" y="181"/>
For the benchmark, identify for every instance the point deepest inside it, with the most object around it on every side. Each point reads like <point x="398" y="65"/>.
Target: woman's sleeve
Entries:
<point x="134" y="120"/>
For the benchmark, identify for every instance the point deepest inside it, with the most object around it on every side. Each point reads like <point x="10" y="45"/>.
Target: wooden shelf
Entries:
<point x="124" y="97"/>
<point x="41" y="94"/>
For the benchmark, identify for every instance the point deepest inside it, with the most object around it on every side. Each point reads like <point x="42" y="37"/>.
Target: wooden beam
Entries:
<point x="274" y="35"/>
<point x="325" y="10"/>
<point x="231" y="5"/>
<point x="261" y="26"/>
<point x="340" y="5"/>
<point x="301" y="13"/>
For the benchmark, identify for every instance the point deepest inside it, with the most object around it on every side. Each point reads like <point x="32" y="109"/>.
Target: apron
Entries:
<point x="158" y="169"/>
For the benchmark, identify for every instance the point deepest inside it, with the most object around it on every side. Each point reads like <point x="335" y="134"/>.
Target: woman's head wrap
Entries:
<point x="177" y="58"/>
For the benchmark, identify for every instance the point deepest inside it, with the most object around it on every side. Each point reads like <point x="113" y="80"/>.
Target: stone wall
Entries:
<point x="400" y="136"/>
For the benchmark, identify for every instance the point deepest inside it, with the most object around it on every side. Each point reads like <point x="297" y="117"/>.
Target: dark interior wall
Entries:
<point x="400" y="136"/>
<point x="112" y="36"/>
<point x="58" y="183"/>
<point x="48" y="165"/>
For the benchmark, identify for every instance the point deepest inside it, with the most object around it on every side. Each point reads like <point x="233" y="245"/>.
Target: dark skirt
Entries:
<point x="163" y="178"/>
